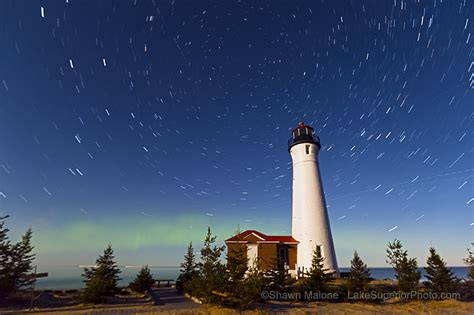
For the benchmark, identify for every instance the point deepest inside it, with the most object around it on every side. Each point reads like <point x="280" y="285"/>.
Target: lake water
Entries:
<point x="70" y="277"/>
<point x="389" y="273"/>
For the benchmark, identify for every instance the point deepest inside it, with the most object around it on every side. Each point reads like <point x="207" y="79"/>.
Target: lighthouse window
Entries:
<point x="307" y="149"/>
<point x="319" y="251"/>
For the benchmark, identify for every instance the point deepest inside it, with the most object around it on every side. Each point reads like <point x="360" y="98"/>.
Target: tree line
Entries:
<point x="236" y="284"/>
<point x="233" y="283"/>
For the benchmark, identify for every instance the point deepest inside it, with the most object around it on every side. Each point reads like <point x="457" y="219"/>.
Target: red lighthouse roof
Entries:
<point x="301" y="125"/>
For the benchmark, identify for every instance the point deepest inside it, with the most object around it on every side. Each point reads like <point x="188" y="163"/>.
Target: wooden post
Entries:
<point x="33" y="290"/>
<point x="34" y="276"/>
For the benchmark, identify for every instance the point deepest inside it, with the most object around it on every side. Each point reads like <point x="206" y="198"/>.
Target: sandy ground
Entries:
<point x="316" y="308"/>
<point x="169" y="301"/>
<point x="431" y="307"/>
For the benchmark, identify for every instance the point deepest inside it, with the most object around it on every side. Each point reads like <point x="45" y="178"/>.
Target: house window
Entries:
<point x="307" y="149"/>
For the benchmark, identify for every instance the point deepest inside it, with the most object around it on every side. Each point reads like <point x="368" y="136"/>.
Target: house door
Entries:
<point x="283" y="255"/>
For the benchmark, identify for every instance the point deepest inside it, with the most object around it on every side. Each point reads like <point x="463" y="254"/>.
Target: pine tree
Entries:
<point x="317" y="277"/>
<point x="143" y="281"/>
<point x="103" y="279"/>
<point x="211" y="270"/>
<point x="4" y="245"/>
<point x="359" y="276"/>
<point x="469" y="261"/>
<point x="188" y="267"/>
<point x="440" y="278"/>
<point x="5" y="260"/>
<point x="278" y="277"/>
<point x="111" y="270"/>
<point x="237" y="263"/>
<point x="97" y="286"/>
<point x="236" y="269"/>
<point x="406" y="269"/>
<point x="16" y="261"/>
<point x="22" y="261"/>
<point x="251" y="287"/>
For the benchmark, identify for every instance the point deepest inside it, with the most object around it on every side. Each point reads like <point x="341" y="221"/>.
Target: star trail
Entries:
<point x="141" y="123"/>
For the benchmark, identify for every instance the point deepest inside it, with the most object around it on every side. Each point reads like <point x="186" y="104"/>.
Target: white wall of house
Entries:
<point x="252" y="254"/>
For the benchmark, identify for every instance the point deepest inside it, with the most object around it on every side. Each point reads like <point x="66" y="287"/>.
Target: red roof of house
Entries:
<point x="265" y="238"/>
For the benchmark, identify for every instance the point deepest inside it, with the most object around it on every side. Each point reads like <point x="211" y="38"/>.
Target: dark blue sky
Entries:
<point x="142" y="122"/>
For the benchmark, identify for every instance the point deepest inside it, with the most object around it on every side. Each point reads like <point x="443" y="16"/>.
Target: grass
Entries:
<point x="413" y="307"/>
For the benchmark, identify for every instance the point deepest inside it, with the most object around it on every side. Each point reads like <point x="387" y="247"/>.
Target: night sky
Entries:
<point x="140" y="123"/>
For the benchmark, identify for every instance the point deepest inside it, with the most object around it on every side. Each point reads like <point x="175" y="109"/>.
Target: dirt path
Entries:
<point x="166" y="300"/>
<point x="171" y="299"/>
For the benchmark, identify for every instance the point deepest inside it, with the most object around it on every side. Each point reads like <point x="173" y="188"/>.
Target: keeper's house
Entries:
<point x="266" y="250"/>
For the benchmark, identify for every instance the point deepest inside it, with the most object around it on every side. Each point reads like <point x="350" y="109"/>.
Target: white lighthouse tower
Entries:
<point x="310" y="222"/>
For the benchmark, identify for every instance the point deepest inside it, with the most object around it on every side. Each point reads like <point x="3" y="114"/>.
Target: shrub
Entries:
<point x="143" y="281"/>
<point x="96" y="291"/>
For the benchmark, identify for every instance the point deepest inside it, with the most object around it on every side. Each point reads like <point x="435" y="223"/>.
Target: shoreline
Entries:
<point x="69" y="277"/>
